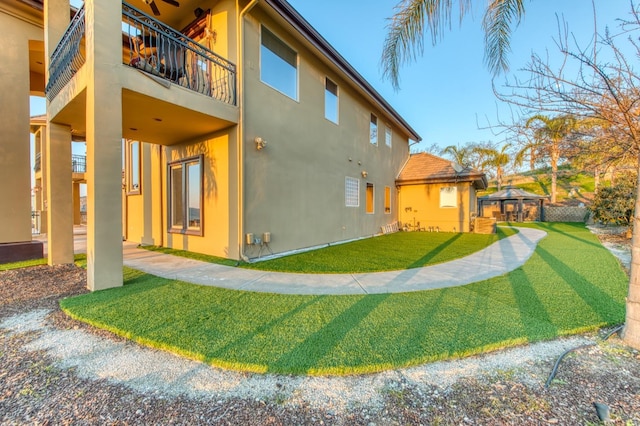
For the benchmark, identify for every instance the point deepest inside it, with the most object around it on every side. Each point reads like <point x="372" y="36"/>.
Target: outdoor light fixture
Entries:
<point x="364" y="174"/>
<point x="260" y="143"/>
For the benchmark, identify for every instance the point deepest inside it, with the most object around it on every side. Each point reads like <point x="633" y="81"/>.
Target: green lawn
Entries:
<point x="571" y="284"/>
<point x="390" y="252"/>
<point x="80" y="260"/>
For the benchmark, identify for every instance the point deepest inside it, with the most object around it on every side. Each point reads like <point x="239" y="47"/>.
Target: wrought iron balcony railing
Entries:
<point x="153" y="47"/>
<point x="37" y="166"/>
<point x="78" y="163"/>
<point x="67" y="57"/>
<point x="164" y="52"/>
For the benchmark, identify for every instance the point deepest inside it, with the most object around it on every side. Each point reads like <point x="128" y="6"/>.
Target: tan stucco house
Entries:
<point x="241" y="125"/>
<point x="230" y="128"/>
<point x="435" y="194"/>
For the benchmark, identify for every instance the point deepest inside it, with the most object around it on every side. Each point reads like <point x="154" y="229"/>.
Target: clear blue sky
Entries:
<point x="447" y="93"/>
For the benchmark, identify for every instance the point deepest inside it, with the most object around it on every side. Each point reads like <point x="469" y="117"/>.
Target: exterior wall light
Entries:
<point x="364" y="174"/>
<point x="260" y="143"/>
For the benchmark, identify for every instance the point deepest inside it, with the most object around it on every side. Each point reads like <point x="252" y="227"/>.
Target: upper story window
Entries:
<point x="373" y="130"/>
<point x="388" y="135"/>
<point x="331" y="101"/>
<point x="278" y="64"/>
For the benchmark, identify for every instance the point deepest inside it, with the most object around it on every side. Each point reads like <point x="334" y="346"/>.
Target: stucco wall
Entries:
<point x="215" y="207"/>
<point x="15" y="180"/>
<point x="421" y="203"/>
<point x="295" y="187"/>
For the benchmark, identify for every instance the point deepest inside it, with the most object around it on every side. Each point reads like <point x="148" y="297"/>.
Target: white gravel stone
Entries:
<point x="149" y="370"/>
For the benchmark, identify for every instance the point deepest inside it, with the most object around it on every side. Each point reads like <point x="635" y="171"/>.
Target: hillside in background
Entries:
<point x="573" y="186"/>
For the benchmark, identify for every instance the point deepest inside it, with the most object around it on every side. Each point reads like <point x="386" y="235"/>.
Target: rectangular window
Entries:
<point x="278" y="64"/>
<point x="387" y="200"/>
<point x="370" y="198"/>
<point x="448" y="196"/>
<point x="185" y="196"/>
<point x="331" y="101"/>
<point x="132" y="162"/>
<point x="373" y="130"/>
<point x="351" y="192"/>
<point x="388" y="135"/>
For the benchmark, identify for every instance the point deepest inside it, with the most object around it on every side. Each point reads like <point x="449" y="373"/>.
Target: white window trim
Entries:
<point x="453" y="190"/>
<point x="348" y="179"/>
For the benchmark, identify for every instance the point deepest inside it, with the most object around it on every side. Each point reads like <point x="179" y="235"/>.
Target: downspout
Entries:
<point x="240" y="100"/>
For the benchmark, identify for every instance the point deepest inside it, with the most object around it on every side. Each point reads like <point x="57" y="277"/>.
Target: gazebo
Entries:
<point x="512" y="204"/>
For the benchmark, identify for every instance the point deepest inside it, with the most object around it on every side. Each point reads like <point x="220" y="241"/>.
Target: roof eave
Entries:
<point x="475" y="179"/>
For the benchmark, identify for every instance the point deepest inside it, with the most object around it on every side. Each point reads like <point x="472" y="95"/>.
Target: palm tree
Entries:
<point x="549" y="138"/>
<point x="459" y="154"/>
<point x="406" y="28"/>
<point x="496" y="159"/>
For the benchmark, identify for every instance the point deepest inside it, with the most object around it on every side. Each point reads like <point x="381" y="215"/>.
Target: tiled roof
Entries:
<point x="424" y="167"/>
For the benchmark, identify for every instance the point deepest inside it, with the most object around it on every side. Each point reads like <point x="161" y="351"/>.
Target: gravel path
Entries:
<point x="54" y="370"/>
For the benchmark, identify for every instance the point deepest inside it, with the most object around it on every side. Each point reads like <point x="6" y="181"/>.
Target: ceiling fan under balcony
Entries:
<point x="154" y="7"/>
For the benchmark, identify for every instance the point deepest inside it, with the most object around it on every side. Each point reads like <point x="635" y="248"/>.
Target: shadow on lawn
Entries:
<point x="433" y="253"/>
<point x="248" y="338"/>
<point x="533" y="313"/>
<point x="310" y="352"/>
<point x="558" y="228"/>
<point x="601" y="303"/>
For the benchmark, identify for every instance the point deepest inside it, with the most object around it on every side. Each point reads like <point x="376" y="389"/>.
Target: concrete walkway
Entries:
<point x="501" y="257"/>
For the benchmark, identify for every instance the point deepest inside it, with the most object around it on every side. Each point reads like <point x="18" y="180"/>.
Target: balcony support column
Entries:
<point x="57" y="151"/>
<point x="59" y="194"/>
<point x="15" y="181"/>
<point x="104" y="144"/>
<point x="77" y="219"/>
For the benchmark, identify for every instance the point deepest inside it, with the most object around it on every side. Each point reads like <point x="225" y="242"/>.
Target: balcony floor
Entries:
<point x="150" y="119"/>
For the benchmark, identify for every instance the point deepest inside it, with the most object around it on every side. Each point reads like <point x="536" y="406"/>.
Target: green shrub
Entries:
<point x="615" y="204"/>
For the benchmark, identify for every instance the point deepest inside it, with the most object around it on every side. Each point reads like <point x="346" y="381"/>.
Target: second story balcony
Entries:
<point x="78" y="163"/>
<point x="153" y="48"/>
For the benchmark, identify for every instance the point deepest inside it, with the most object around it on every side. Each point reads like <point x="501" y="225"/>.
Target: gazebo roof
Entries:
<point x="512" y="193"/>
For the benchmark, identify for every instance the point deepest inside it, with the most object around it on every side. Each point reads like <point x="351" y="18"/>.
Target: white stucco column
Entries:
<point x="15" y="178"/>
<point x="59" y="194"/>
<point x="104" y="143"/>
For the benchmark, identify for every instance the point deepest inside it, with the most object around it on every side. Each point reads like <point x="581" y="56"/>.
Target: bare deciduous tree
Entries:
<point x="595" y="83"/>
